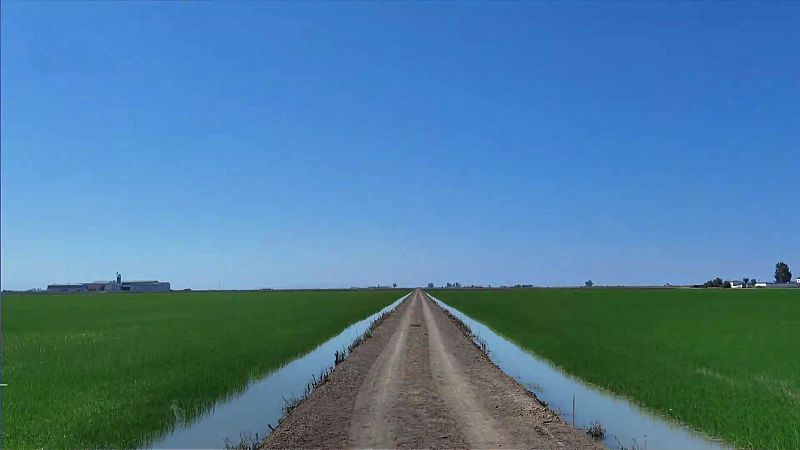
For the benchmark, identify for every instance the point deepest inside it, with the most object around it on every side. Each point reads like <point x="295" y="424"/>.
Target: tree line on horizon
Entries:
<point x="782" y="275"/>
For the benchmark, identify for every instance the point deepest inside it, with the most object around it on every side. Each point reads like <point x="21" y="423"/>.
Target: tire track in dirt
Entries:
<point x="372" y="425"/>
<point x="480" y="429"/>
<point x="397" y="406"/>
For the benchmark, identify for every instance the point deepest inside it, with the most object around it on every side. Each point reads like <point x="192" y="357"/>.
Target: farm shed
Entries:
<point x="69" y="287"/>
<point x="146" y="286"/>
<point x="99" y="286"/>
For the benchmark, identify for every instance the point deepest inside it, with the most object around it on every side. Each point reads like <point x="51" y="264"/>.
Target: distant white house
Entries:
<point x="798" y="280"/>
<point x="761" y="284"/>
<point x="737" y="284"/>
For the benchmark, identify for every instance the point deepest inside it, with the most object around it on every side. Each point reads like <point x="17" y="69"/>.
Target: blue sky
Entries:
<point x="336" y="144"/>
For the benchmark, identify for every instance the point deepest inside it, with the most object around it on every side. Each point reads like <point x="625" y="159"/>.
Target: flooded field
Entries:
<point x="188" y="369"/>
<point x="248" y="416"/>
<point x="626" y="425"/>
<point x="721" y="361"/>
<point x="140" y="364"/>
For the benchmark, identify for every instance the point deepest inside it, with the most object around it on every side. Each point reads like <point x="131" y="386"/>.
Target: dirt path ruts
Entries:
<point x="480" y="428"/>
<point x="419" y="382"/>
<point x="372" y="424"/>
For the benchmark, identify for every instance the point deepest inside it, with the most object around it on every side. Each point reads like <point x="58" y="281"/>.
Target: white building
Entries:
<point x="145" y="286"/>
<point x="113" y="285"/>
<point x="761" y="284"/>
<point x="67" y="287"/>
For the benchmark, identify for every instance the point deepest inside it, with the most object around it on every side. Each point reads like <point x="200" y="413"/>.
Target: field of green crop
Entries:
<point x="114" y="370"/>
<point x="726" y="362"/>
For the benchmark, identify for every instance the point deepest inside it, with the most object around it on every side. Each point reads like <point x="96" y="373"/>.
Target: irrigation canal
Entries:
<point x="260" y="405"/>
<point x="627" y="425"/>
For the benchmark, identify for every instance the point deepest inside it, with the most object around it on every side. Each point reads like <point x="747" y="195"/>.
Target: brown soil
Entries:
<point x="420" y="382"/>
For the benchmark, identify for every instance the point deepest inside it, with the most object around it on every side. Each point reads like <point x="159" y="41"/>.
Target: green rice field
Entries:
<point x="726" y="362"/>
<point x="115" y="370"/>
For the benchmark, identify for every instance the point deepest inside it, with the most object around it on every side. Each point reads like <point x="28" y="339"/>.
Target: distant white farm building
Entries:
<point x="99" y="286"/>
<point x="112" y="286"/>
<point x="67" y="287"/>
<point x="145" y="286"/>
<point x="778" y="285"/>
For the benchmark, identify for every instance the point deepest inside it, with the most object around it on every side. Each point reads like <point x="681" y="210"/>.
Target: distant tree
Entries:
<point x="449" y="284"/>
<point x="782" y="273"/>
<point x="589" y="283"/>
<point x="430" y="285"/>
<point x="457" y="284"/>
<point x="745" y="282"/>
<point x="716" y="282"/>
<point x="753" y="282"/>
<point x="726" y="285"/>
<point x="394" y="285"/>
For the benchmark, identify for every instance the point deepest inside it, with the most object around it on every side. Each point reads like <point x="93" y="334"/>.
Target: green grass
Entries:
<point x="726" y="362"/>
<point x="114" y="370"/>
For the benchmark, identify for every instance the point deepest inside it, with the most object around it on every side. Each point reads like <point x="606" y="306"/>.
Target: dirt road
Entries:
<point x="420" y="382"/>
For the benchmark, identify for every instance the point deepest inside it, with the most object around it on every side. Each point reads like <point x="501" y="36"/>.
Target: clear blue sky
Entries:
<point x="337" y="144"/>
